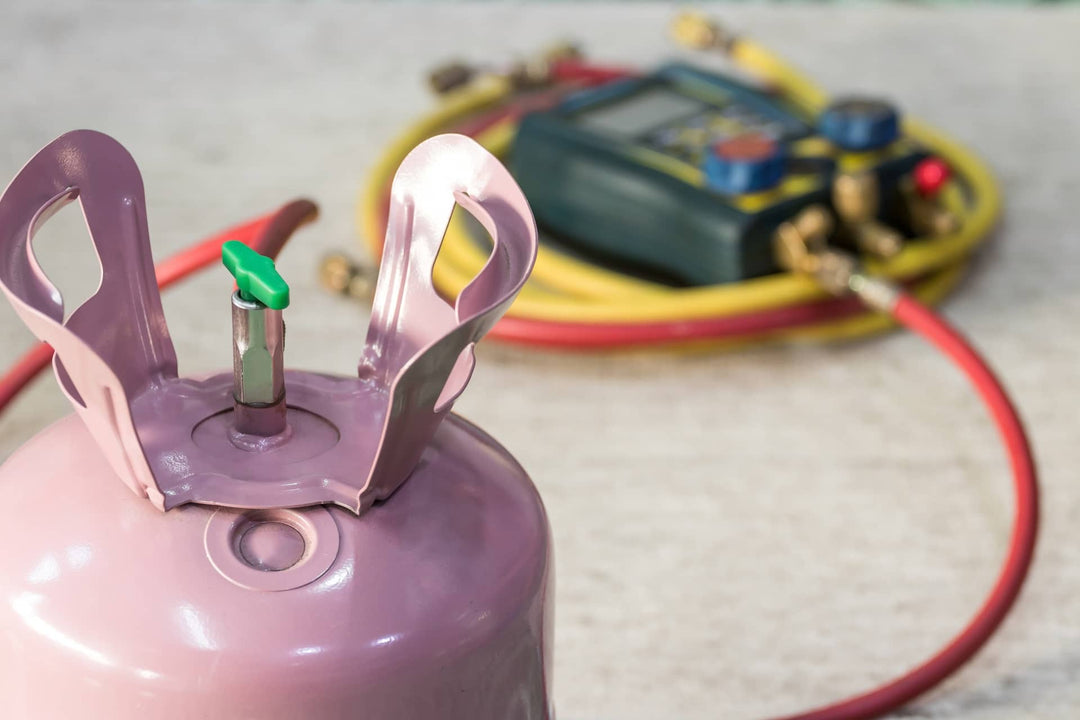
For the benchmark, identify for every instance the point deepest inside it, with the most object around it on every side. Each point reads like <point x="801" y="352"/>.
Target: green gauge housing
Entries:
<point x="645" y="173"/>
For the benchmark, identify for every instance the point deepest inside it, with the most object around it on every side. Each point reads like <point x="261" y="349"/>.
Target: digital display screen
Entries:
<point x="641" y="112"/>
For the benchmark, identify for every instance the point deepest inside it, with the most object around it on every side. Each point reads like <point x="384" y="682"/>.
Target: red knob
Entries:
<point x="930" y="175"/>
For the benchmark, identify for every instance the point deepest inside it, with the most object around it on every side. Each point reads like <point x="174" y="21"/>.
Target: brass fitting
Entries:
<point x="536" y="70"/>
<point x="801" y="246"/>
<point x="342" y="276"/>
<point x="877" y="239"/>
<point x="697" y="31"/>
<point x="856" y="197"/>
<point x="531" y="72"/>
<point x="562" y="50"/>
<point x="450" y="76"/>
<point x="926" y="216"/>
<point x="800" y="240"/>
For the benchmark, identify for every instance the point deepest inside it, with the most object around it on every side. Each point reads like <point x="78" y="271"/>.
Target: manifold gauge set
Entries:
<point x="265" y="542"/>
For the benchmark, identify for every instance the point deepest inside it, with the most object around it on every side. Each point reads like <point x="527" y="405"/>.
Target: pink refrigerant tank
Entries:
<point x="266" y="543"/>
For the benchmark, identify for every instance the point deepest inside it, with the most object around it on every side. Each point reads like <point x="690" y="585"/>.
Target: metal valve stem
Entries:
<point x="258" y="367"/>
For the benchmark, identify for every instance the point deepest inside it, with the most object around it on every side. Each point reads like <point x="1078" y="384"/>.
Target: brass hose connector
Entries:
<point x="856" y="197"/>
<point x="926" y="216"/>
<point x="533" y="71"/>
<point x="801" y="246"/>
<point x="697" y="31"/>
<point x="343" y="276"/>
<point x="450" y="76"/>
<point x="798" y="241"/>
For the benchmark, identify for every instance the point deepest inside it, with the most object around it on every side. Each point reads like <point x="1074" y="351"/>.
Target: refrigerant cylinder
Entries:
<point x="264" y="543"/>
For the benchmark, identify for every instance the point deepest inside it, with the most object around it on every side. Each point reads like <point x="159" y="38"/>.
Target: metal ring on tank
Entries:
<point x="227" y="527"/>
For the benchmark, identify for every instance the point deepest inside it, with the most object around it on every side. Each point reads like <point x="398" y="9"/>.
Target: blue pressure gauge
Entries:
<point x="860" y="124"/>
<point x="743" y="164"/>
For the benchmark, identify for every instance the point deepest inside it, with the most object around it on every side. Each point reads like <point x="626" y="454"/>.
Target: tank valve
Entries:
<point x="258" y="341"/>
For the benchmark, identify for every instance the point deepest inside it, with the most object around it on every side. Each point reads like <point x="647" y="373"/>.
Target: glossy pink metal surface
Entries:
<point x="116" y="362"/>
<point x="298" y="578"/>
<point x="433" y="608"/>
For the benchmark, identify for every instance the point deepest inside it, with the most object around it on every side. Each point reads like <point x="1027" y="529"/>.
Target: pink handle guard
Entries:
<point x="116" y="363"/>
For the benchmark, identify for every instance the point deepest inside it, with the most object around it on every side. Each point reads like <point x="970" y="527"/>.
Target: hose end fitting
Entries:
<point x="342" y="276"/>
<point x="801" y="246"/>
<point x="450" y="76"/>
<point x="697" y="31"/>
<point x="538" y="70"/>
<point x="857" y="197"/>
<point x="875" y="292"/>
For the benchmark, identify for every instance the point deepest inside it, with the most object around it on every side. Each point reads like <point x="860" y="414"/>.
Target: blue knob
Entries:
<point x="743" y="164"/>
<point x="860" y="124"/>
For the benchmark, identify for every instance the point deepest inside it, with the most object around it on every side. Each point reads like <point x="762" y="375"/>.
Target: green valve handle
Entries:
<point x="256" y="276"/>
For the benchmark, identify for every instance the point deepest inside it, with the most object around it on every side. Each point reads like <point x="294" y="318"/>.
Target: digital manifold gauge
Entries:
<point x="685" y="175"/>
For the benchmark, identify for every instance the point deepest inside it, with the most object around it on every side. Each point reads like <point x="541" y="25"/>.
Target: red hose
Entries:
<point x="23" y="371"/>
<point x="922" y="320"/>
<point x="575" y="70"/>
<point x="908" y="312"/>
<point x="893" y="695"/>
